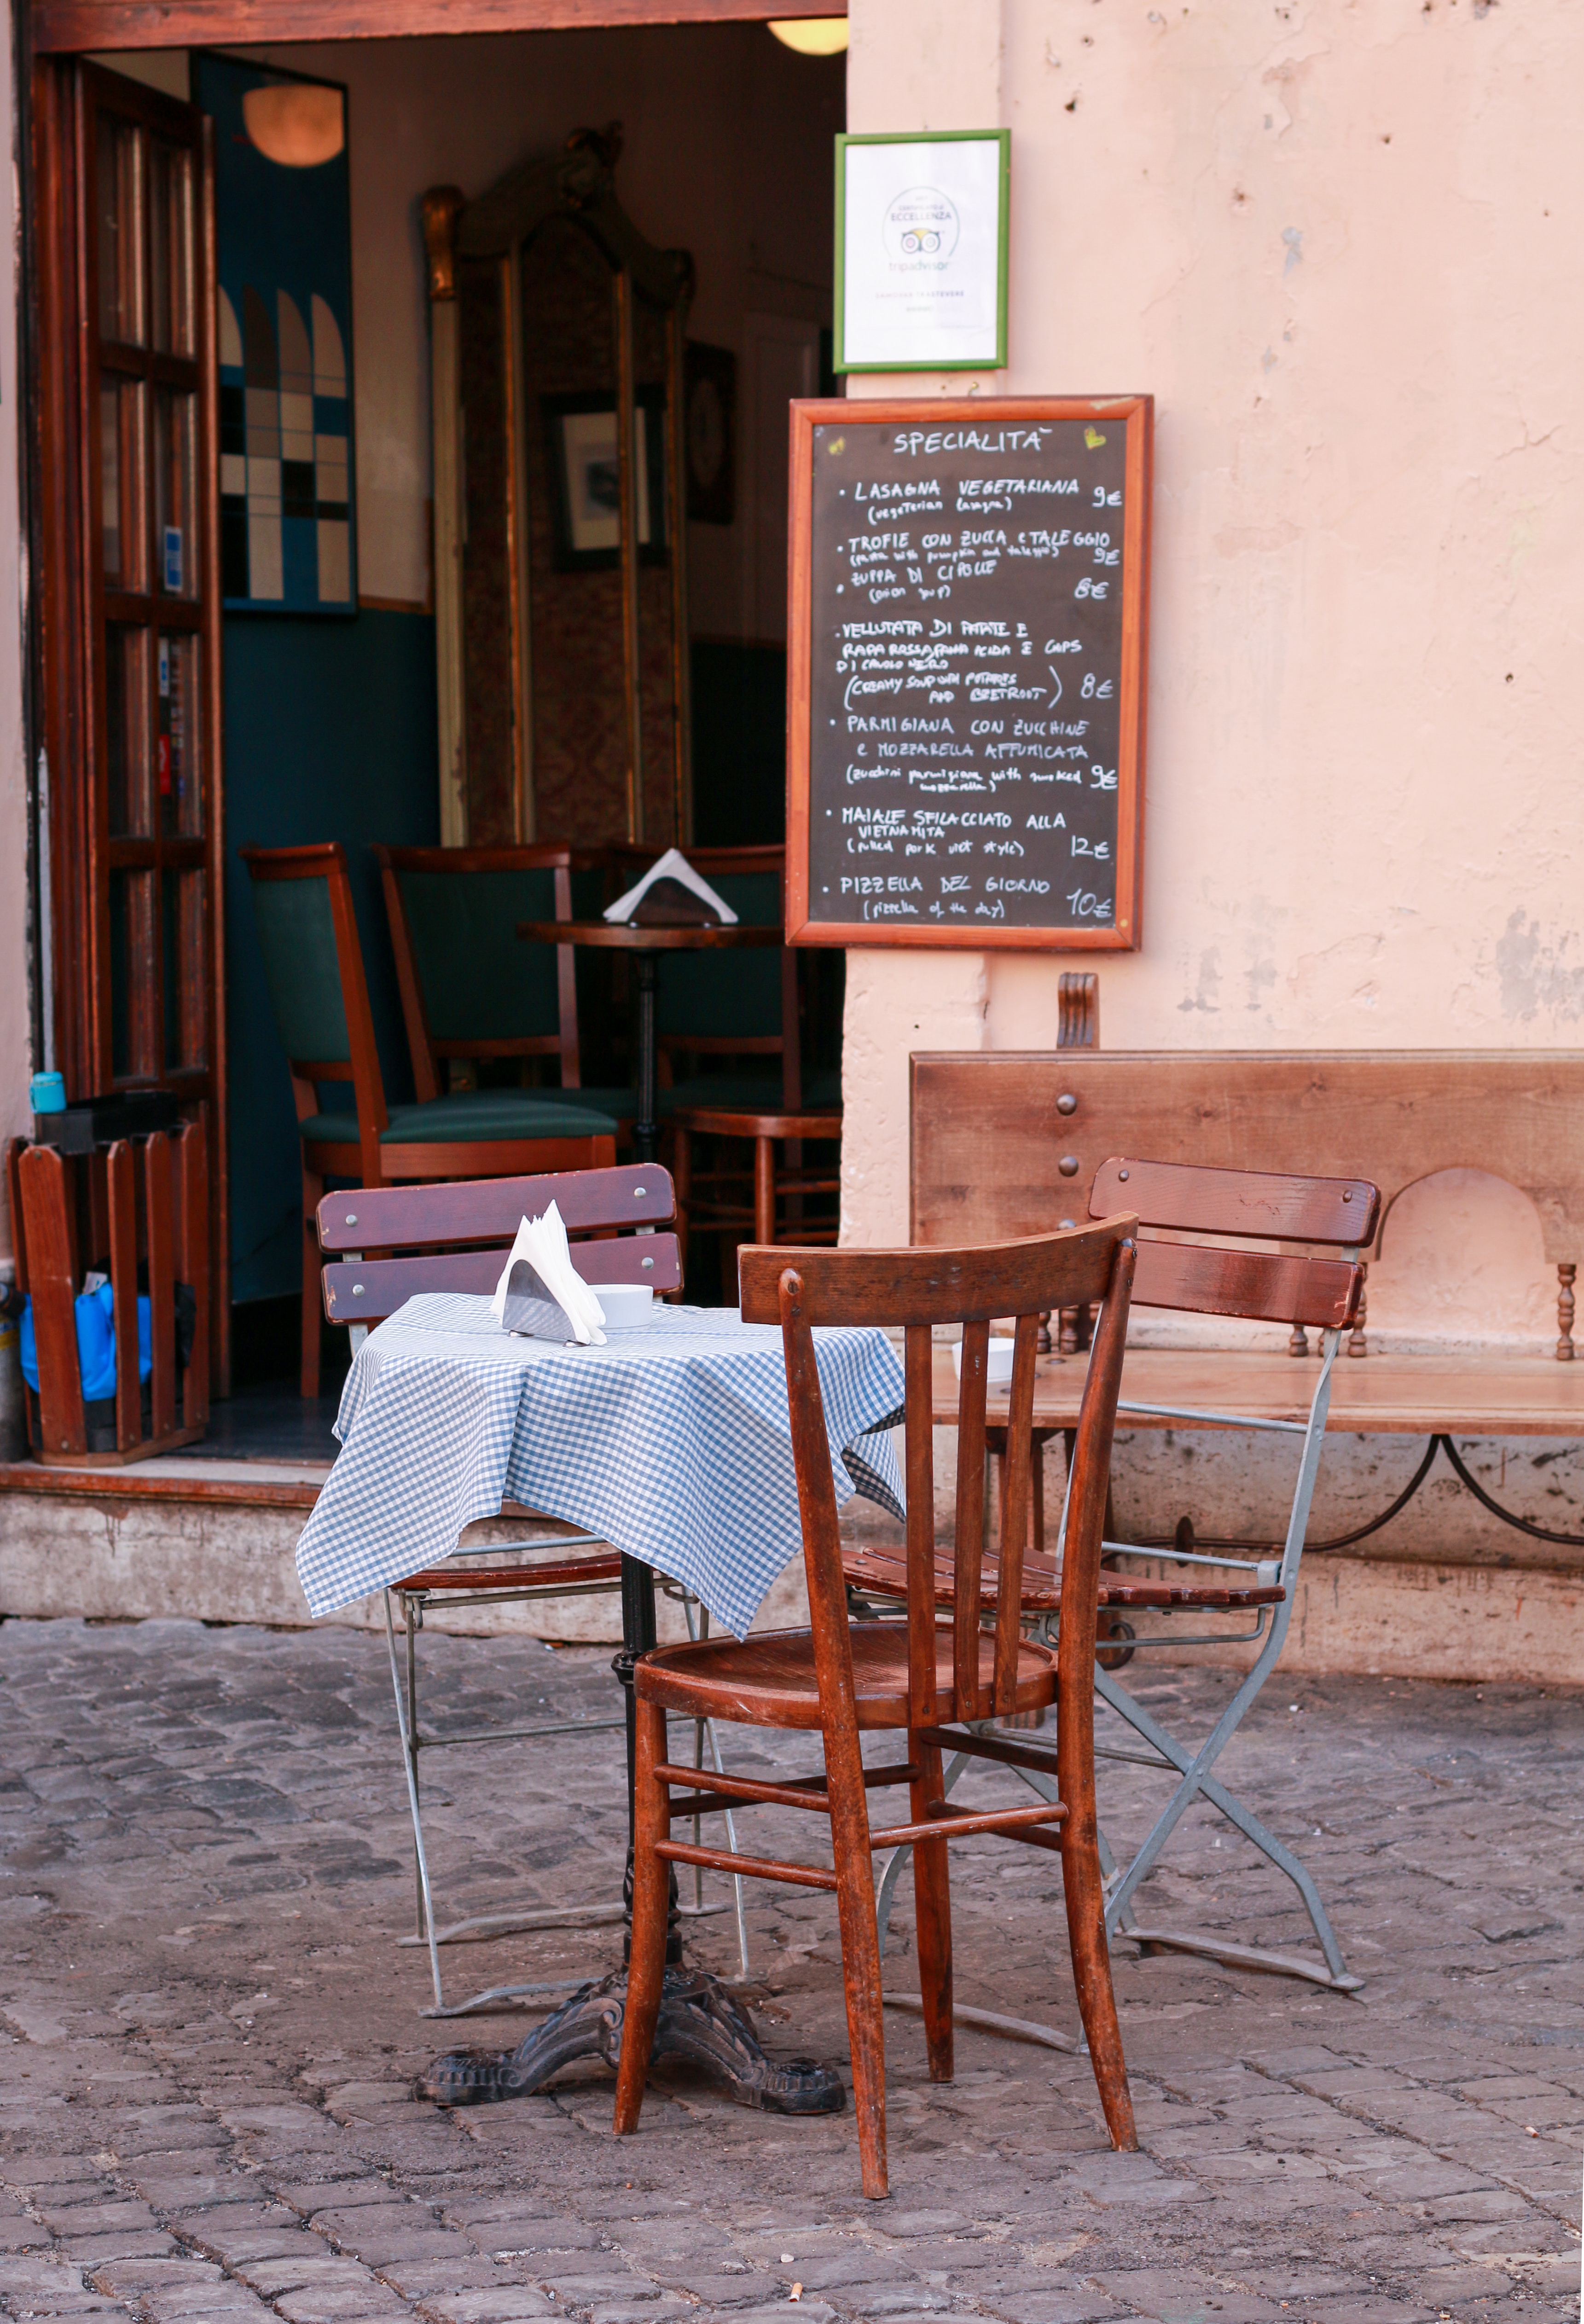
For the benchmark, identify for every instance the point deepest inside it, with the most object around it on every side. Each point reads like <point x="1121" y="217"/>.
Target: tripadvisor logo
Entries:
<point x="921" y="223"/>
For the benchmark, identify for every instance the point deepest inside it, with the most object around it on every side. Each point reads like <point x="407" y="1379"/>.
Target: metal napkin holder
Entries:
<point x="530" y="1310"/>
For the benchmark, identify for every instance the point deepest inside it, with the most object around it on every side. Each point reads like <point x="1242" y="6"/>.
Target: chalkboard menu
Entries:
<point x="966" y="672"/>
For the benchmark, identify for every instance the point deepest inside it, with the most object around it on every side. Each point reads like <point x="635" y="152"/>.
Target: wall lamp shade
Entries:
<point x="811" y="36"/>
<point x="298" y="123"/>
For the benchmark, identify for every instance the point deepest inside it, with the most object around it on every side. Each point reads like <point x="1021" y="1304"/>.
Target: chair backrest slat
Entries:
<point x="1261" y="1204"/>
<point x="365" y="1291"/>
<point x="919" y="1364"/>
<point x="485" y="1210"/>
<point x="805" y="1288"/>
<point x="1015" y="1514"/>
<point x="1269" y="1287"/>
<point x="968" y="1558"/>
<point x="430" y="1225"/>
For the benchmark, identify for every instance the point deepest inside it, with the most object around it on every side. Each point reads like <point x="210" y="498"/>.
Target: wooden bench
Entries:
<point x="1005" y="1142"/>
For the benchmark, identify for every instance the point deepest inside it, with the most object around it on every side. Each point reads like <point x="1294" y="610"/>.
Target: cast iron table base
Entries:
<point x="701" y="2024"/>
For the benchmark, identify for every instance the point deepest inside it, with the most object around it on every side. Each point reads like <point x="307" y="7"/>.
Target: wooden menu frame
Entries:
<point x="1133" y="412"/>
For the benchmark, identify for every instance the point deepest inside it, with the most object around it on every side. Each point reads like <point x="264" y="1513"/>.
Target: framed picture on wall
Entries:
<point x="921" y="251"/>
<point x="585" y="481"/>
<point x="284" y="237"/>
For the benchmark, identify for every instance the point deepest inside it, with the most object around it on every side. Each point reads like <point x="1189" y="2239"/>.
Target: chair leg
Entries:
<point x="313" y="1187"/>
<point x="764" y="1190"/>
<point x="932" y="1900"/>
<point x="1084" y="1892"/>
<point x="860" y="1954"/>
<point x="646" y="1968"/>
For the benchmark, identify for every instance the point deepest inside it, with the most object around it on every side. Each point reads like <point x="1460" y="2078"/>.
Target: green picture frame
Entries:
<point x="912" y="234"/>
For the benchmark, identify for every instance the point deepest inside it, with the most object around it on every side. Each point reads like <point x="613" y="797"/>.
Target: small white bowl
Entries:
<point x="625" y="1306"/>
<point x="998" y="1371"/>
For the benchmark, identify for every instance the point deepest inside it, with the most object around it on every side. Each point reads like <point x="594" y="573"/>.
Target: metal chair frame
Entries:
<point x="1193" y="1767"/>
<point x="484" y="1927"/>
<point x="473" y="1268"/>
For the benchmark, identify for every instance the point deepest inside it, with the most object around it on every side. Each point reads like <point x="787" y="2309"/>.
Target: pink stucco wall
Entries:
<point x="1338" y="242"/>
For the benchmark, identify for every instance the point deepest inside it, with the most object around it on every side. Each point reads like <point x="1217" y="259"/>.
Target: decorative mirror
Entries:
<point x="560" y="509"/>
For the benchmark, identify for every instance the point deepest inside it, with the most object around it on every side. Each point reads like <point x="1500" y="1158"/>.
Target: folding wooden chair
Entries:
<point x="1301" y="1290"/>
<point x="613" y="1217"/>
<point x="838" y="1678"/>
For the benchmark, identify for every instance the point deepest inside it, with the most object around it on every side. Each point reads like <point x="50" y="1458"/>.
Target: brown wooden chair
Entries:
<point x="471" y="989"/>
<point x="456" y="1239"/>
<point x="1303" y="1291"/>
<point x="313" y="961"/>
<point x="838" y="1678"/>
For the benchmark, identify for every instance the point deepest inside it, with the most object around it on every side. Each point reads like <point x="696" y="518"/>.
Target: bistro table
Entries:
<point x="673" y="1443"/>
<point x="646" y="943"/>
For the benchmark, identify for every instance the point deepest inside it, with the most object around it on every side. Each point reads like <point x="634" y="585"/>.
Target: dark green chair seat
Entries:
<point x="470" y="1114"/>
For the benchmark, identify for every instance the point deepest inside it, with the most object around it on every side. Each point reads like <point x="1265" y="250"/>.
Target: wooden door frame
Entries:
<point x="60" y="25"/>
<point x="60" y="716"/>
<point x="69" y="707"/>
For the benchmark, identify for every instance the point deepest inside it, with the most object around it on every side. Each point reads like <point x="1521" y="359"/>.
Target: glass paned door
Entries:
<point x="129" y="490"/>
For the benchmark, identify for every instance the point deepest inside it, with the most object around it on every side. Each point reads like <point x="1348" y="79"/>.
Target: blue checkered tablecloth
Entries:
<point x="672" y="1443"/>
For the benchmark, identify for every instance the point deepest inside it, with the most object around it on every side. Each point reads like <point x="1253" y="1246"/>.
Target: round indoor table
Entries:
<point x="646" y="943"/>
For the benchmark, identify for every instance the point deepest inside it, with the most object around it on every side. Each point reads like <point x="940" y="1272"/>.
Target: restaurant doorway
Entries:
<point x="176" y="727"/>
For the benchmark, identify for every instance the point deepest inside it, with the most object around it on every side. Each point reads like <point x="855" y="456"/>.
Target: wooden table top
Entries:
<point x="1372" y="1395"/>
<point x="630" y="936"/>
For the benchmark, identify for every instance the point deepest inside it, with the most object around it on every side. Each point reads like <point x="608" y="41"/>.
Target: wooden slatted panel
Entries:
<point x="1017" y="1470"/>
<point x="365" y="1291"/>
<point x="121" y="1180"/>
<point x="161" y="1250"/>
<point x="1259" y="1202"/>
<point x="1263" y="1286"/>
<point x="387" y="1217"/>
<point x="52" y="1285"/>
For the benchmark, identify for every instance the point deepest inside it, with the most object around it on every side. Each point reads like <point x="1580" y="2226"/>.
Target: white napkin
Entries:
<point x="672" y="865"/>
<point x="542" y="1242"/>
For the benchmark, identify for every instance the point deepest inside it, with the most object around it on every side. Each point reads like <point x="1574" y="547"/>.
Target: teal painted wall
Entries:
<point x="331" y="732"/>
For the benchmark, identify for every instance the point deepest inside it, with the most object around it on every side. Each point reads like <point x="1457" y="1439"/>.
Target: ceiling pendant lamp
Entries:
<point x="811" y="36"/>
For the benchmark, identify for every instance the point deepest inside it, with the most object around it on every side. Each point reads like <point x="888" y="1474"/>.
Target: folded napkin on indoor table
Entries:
<point x="672" y="892"/>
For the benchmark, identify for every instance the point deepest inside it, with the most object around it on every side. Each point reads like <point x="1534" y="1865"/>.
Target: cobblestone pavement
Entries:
<point x="211" y="2034"/>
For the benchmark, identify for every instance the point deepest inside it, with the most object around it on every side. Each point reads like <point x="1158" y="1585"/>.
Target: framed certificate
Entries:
<point x="921" y="251"/>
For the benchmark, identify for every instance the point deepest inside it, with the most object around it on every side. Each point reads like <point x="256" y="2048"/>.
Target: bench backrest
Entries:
<point x="438" y="1230"/>
<point x="1007" y="1143"/>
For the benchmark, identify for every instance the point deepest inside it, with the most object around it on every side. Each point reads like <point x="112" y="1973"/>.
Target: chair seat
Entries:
<point x="603" y="1564"/>
<point x="769" y="1680"/>
<point x="884" y="1571"/>
<point x="468" y="1116"/>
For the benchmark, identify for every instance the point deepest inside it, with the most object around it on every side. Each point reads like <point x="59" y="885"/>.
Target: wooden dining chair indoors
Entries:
<point x="313" y="964"/>
<point x="934" y="1684"/>
<point x="1319" y="1289"/>
<point x="471" y="990"/>
<point x="452" y="1239"/>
